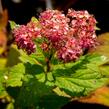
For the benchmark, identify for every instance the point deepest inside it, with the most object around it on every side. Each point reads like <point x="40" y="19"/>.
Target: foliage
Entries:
<point x="101" y="95"/>
<point x="39" y="90"/>
<point x="41" y="80"/>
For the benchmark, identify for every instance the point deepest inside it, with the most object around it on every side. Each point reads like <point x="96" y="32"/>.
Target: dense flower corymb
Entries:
<point x="68" y="35"/>
<point x="60" y="29"/>
<point x="83" y="25"/>
<point x="24" y="36"/>
<point x="23" y="39"/>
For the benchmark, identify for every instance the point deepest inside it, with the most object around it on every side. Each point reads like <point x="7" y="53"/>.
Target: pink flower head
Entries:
<point x="23" y="38"/>
<point x="25" y="34"/>
<point x="69" y="34"/>
<point x="54" y="26"/>
<point x="83" y="27"/>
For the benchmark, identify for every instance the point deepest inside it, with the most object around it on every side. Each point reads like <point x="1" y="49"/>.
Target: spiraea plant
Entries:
<point x="54" y="67"/>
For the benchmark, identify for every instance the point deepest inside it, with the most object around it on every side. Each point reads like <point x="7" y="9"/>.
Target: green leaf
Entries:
<point x="35" y="58"/>
<point x="81" y="77"/>
<point x="96" y="28"/>
<point x="26" y="58"/>
<point x="39" y="56"/>
<point x="38" y="95"/>
<point x="3" y="62"/>
<point x="13" y="56"/>
<point x="61" y="92"/>
<point x="34" y="19"/>
<point x="104" y="69"/>
<point x="3" y="76"/>
<point x="34" y="71"/>
<point x="10" y="106"/>
<point x="3" y="92"/>
<point x="15" y="75"/>
<point x="12" y="24"/>
<point x="79" y="87"/>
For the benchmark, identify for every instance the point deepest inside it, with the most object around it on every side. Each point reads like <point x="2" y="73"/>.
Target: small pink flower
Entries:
<point x="44" y="47"/>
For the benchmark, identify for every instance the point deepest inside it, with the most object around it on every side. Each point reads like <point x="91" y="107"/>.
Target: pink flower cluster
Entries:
<point x="24" y="36"/>
<point x="83" y="26"/>
<point x="54" y="27"/>
<point x="69" y="35"/>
